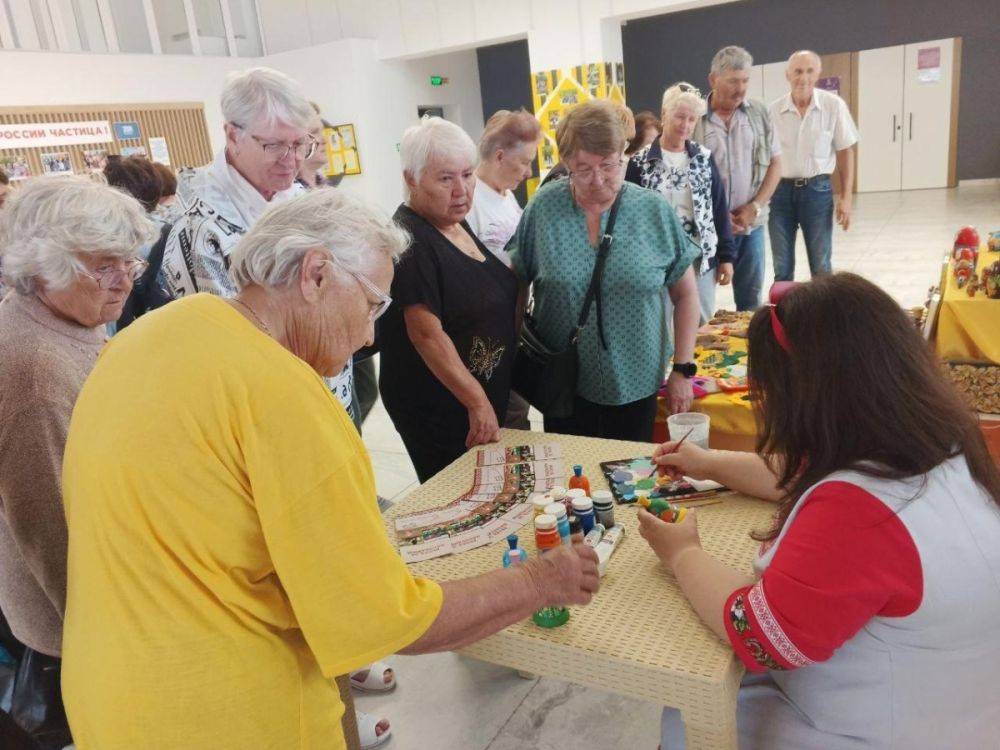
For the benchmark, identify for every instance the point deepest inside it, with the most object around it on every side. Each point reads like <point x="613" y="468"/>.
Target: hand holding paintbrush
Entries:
<point x="668" y="458"/>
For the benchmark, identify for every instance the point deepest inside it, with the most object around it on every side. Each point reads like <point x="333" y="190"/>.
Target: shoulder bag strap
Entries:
<point x="593" y="291"/>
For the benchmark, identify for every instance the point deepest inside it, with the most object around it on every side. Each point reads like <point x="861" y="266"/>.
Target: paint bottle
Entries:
<point x="594" y="536"/>
<point x="547" y="539"/>
<point x="662" y="509"/>
<point x="558" y="511"/>
<point x="558" y="495"/>
<point x="583" y="508"/>
<point x="578" y="481"/>
<point x="515" y="555"/>
<point x="575" y="527"/>
<point x="604" y="507"/>
<point x="608" y="544"/>
<point x="539" y="500"/>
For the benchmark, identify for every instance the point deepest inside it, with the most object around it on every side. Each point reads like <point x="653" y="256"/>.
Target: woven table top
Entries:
<point x="638" y="636"/>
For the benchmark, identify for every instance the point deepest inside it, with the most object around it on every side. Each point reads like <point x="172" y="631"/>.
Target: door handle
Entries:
<point x="894" y="128"/>
<point x="911" y="127"/>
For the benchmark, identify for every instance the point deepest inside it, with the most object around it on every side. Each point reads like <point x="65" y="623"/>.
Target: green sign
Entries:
<point x="437" y="80"/>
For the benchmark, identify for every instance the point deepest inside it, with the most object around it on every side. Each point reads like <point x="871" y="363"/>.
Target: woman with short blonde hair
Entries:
<point x="624" y="346"/>
<point x="685" y="173"/>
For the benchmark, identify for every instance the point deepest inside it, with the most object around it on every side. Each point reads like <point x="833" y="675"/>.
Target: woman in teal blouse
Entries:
<point x="555" y="248"/>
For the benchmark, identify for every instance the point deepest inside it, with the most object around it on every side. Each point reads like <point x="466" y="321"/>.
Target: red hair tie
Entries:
<point x="778" y="291"/>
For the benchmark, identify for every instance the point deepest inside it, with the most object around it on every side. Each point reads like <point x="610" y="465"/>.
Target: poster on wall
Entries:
<point x="341" y="146"/>
<point x="57" y="163"/>
<point x="555" y="92"/>
<point x="830" y="83"/>
<point x="158" y="150"/>
<point x="15" y="167"/>
<point x="51" y="134"/>
<point x="929" y="64"/>
<point x="127" y="131"/>
<point x="135" y="151"/>
<point x="94" y="159"/>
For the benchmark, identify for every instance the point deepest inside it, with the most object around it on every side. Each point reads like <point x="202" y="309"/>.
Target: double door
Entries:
<point x="907" y="116"/>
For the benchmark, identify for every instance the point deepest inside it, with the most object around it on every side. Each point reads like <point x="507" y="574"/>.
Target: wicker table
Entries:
<point x="638" y="637"/>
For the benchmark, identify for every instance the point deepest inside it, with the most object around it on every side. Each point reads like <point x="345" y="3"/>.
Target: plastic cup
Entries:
<point x="678" y="425"/>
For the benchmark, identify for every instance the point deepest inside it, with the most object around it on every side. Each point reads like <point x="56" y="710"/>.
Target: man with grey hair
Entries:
<point x="817" y="135"/>
<point x="740" y="134"/>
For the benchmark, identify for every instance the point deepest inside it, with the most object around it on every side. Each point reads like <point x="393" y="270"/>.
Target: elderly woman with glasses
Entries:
<point x="448" y="345"/>
<point x="69" y="248"/>
<point x="625" y="345"/>
<point x="232" y="559"/>
<point x="686" y="174"/>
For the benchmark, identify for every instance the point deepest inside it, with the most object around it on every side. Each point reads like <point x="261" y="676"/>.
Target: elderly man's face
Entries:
<point x="443" y="194"/>
<point x="729" y="88"/>
<point x="269" y="156"/>
<point x="97" y="295"/>
<point x="802" y="73"/>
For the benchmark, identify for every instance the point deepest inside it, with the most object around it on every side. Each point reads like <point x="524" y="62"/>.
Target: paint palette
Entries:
<point x="630" y="477"/>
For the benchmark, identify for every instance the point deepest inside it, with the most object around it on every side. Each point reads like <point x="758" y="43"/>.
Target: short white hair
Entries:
<point x="264" y="95"/>
<point x="431" y="139"/>
<point x="271" y="253"/>
<point x="731" y="58"/>
<point x="683" y="93"/>
<point x="50" y="221"/>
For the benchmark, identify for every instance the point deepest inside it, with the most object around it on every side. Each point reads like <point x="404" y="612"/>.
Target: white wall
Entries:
<point x="54" y="78"/>
<point x="345" y="78"/>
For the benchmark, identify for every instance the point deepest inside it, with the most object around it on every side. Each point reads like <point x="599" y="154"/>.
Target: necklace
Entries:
<point x="256" y="318"/>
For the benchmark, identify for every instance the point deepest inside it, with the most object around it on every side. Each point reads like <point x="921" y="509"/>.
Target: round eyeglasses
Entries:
<point x="108" y="277"/>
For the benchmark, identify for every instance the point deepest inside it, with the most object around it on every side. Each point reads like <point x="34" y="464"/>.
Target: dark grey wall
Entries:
<point x="679" y="46"/>
<point x="505" y="83"/>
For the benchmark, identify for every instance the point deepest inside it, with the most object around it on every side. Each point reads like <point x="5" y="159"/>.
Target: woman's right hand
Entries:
<point x="483" y="425"/>
<point x="691" y="460"/>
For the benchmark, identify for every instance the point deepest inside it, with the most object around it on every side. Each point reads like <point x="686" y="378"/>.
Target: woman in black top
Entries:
<point x="449" y="341"/>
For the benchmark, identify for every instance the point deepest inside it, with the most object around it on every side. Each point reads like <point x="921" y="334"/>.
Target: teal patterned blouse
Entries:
<point x="651" y="250"/>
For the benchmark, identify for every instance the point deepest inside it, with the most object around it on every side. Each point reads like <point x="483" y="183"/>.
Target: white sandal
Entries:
<point x="366" y="731"/>
<point x="374" y="681"/>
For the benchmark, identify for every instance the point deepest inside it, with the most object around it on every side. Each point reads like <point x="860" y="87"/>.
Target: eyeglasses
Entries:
<point x="275" y="152"/>
<point x="687" y="88"/>
<point x="108" y="278"/>
<point x="375" y="310"/>
<point x="778" y="292"/>
<point x="607" y="170"/>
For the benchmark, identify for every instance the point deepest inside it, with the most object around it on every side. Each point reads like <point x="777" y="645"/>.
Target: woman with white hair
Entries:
<point x="69" y="247"/>
<point x="232" y="561"/>
<point x="686" y="174"/>
<point x="448" y="346"/>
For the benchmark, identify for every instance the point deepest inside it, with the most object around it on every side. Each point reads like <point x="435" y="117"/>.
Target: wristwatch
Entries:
<point x="687" y="369"/>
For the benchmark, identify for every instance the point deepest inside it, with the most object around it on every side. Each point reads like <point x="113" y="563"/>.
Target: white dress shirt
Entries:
<point x="809" y="144"/>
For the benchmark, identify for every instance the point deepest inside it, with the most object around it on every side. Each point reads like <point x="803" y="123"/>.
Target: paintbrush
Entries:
<point x="656" y="466"/>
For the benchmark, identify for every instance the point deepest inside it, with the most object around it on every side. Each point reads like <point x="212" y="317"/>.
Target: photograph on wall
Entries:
<point x="135" y="151"/>
<point x="15" y="167"/>
<point x="341" y="146"/>
<point x="158" y="149"/>
<point x="57" y="163"/>
<point x="94" y="159"/>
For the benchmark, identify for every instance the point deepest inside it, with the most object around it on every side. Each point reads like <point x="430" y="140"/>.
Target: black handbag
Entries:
<point x="547" y="377"/>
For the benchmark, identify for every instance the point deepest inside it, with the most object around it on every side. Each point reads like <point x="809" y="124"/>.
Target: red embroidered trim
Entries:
<point x="772" y="629"/>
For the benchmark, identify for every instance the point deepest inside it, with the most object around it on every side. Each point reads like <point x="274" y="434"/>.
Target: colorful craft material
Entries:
<point x="558" y="511"/>
<point x="547" y="539"/>
<point x="514" y="555"/>
<point x="663" y="510"/>
<point x="579" y="481"/>
<point x="583" y="508"/>
<point x="604" y="508"/>
<point x="632" y="478"/>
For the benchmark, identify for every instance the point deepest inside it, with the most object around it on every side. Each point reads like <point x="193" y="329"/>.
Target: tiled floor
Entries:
<point x="447" y="702"/>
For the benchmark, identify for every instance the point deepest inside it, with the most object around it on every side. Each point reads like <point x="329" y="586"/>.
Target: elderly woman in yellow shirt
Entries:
<point x="226" y="555"/>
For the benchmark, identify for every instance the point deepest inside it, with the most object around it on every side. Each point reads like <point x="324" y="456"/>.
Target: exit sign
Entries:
<point x="438" y="80"/>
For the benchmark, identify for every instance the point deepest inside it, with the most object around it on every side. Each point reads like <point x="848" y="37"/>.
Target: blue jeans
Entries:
<point x="748" y="271"/>
<point x="810" y="207"/>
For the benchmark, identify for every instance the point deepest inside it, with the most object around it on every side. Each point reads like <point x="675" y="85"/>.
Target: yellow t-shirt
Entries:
<point x="227" y="557"/>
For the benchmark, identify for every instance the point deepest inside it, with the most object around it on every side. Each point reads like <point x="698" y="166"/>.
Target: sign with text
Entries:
<point x="44" y="134"/>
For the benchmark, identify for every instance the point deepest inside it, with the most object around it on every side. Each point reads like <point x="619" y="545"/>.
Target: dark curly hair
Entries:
<point x="137" y="177"/>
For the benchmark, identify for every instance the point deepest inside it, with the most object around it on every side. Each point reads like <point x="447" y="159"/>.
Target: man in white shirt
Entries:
<point x="817" y="135"/>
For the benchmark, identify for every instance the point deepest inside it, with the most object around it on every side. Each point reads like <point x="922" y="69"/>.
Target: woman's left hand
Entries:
<point x="669" y="540"/>
<point x="680" y="393"/>
<point x="724" y="274"/>
<point x="483" y="426"/>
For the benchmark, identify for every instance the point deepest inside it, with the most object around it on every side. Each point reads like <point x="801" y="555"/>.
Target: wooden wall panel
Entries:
<point x="181" y="123"/>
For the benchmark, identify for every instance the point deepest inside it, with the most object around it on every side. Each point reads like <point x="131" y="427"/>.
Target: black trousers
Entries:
<point x="35" y="699"/>
<point x="632" y="421"/>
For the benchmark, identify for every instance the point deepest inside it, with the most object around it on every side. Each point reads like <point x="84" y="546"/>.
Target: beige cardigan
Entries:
<point x="44" y="360"/>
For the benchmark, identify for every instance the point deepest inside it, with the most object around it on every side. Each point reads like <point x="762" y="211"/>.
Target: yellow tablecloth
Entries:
<point x="732" y="421"/>
<point x="968" y="328"/>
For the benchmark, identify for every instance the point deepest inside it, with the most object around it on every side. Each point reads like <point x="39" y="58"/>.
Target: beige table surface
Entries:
<point x="638" y="637"/>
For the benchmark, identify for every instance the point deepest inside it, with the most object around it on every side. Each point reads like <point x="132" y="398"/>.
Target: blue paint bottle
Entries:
<point x="583" y="508"/>
<point x="562" y="521"/>
<point x="515" y="554"/>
